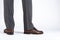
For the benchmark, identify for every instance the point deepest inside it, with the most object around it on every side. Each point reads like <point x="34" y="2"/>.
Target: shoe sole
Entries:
<point x="31" y="33"/>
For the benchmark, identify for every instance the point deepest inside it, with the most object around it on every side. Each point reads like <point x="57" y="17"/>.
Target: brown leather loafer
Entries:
<point x="33" y="31"/>
<point x="9" y="31"/>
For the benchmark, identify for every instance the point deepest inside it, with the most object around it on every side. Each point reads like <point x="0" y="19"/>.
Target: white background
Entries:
<point x="46" y="17"/>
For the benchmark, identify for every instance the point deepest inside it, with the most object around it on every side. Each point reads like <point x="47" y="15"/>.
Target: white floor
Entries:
<point x="48" y="35"/>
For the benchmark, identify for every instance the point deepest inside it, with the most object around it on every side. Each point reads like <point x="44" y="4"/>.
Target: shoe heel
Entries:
<point x="27" y="33"/>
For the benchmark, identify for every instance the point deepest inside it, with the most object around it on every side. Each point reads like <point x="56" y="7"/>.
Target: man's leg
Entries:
<point x="8" y="14"/>
<point x="27" y="9"/>
<point x="28" y="25"/>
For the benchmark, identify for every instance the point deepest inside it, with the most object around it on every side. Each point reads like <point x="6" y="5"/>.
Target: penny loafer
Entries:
<point x="33" y="31"/>
<point x="9" y="31"/>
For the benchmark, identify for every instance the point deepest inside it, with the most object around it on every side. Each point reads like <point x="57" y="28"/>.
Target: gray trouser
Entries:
<point x="9" y="12"/>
